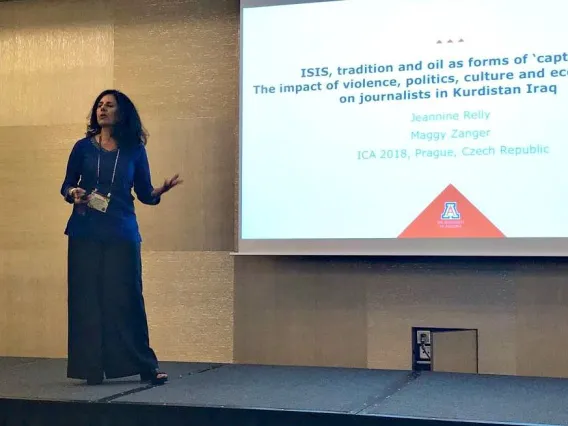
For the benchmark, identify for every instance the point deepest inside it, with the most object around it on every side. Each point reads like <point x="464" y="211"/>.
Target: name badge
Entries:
<point x="99" y="202"/>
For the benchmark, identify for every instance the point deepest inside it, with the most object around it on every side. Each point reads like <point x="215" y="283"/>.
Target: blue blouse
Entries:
<point x="132" y="172"/>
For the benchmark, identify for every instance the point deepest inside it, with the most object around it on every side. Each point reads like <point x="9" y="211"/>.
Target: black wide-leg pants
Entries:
<point x="108" y="329"/>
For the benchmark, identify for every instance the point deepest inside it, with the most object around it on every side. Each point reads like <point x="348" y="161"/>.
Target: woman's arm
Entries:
<point x="72" y="174"/>
<point x="143" y="181"/>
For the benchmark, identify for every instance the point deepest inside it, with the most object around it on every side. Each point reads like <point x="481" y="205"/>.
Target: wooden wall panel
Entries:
<point x="33" y="299"/>
<point x="32" y="169"/>
<point x="179" y="59"/>
<point x="434" y="294"/>
<point x="301" y="312"/>
<point x="189" y="301"/>
<point x="275" y="297"/>
<point x="53" y="64"/>
<point x="542" y="319"/>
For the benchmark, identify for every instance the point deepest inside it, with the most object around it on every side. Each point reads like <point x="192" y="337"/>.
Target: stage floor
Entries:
<point x="362" y="395"/>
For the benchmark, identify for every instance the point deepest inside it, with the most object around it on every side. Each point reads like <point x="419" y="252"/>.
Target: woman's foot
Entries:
<point x="155" y="377"/>
<point x="93" y="381"/>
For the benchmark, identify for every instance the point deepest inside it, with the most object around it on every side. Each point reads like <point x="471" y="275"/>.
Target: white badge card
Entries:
<point x="99" y="202"/>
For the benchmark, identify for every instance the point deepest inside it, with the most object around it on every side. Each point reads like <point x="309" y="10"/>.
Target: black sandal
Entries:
<point x="94" y="381"/>
<point x="154" y="377"/>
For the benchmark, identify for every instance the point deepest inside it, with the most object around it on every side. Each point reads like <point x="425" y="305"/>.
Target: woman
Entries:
<point x="108" y="330"/>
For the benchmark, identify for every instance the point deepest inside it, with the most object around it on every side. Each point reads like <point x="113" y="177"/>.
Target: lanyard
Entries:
<point x="99" y="168"/>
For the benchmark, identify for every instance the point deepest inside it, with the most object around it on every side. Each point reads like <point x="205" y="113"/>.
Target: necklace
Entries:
<point x="99" y="168"/>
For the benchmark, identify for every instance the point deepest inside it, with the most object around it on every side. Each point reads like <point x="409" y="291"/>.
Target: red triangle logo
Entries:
<point x="451" y="215"/>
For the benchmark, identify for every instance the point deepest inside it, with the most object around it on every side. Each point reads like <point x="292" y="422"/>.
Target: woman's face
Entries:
<point x="107" y="111"/>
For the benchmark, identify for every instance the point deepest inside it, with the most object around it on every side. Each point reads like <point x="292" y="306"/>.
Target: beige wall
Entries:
<point x="179" y="62"/>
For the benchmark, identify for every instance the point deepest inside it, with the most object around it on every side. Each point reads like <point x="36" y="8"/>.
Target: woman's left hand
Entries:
<point x="169" y="184"/>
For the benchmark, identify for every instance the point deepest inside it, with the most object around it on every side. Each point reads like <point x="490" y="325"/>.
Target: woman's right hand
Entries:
<point x="79" y="196"/>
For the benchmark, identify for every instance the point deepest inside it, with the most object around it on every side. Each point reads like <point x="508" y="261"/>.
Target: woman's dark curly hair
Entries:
<point x="128" y="130"/>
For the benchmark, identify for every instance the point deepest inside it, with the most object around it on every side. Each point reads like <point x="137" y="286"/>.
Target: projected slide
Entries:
<point x="381" y="124"/>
